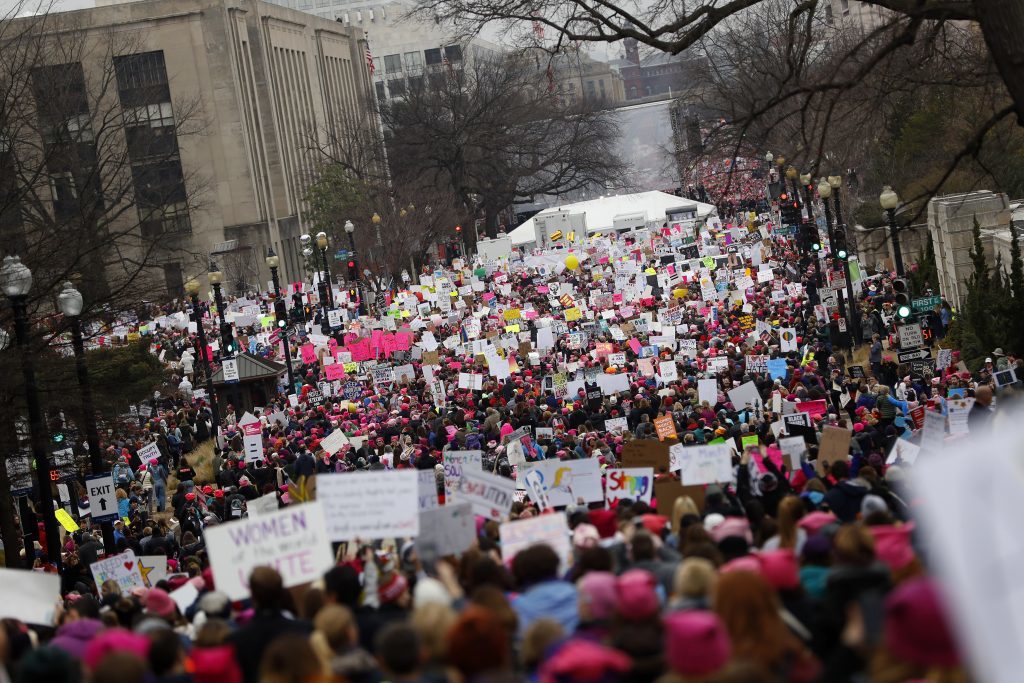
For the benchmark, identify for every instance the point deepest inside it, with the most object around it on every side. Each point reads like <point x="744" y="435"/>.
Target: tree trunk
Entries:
<point x="1002" y="25"/>
<point x="8" y="527"/>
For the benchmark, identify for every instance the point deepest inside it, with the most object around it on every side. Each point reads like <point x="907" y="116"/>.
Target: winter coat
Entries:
<point x="74" y="637"/>
<point x="845" y="497"/>
<point x="555" y="600"/>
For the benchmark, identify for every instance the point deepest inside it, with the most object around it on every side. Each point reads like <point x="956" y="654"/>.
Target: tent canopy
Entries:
<point x="601" y="212"/>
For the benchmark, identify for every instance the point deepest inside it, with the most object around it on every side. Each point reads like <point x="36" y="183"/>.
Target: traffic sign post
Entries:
<point x="913" y="354"/>
<point x="925" y="304"/>
<point x="102" y="497"/>
<point x="910" y="336"/>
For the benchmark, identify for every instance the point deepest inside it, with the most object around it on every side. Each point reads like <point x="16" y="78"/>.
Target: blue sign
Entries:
<point x="777" y="368"/>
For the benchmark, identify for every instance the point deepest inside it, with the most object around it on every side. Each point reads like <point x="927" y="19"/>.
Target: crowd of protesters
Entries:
<point x="810" y="573"/>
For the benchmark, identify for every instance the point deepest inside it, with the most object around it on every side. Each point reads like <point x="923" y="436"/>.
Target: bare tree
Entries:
<point x="494" y="131"/>
<point x="91" y="185"/>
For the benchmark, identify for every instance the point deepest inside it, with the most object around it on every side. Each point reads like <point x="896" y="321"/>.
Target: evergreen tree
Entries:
<point x="1016" y="321"/>
<point x="977" y="311"/>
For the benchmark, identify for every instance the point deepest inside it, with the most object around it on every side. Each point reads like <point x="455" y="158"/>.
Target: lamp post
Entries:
<point x="273" y="262"/>
<point x="836" y="183"/>
<point x="825" y="190"/>
<point x="16" y="280"/>
<point x="889" y="200"/>
<point x="192" y="290"/>
<point x="792" y="174"/>
<point x="227" y="337"/>
<point x="375" y="219"/>
<point x="350" y="230"/>
<point x="805" y="181"/>
<point x="321" y="243"/>
<point x="71" y="303"/>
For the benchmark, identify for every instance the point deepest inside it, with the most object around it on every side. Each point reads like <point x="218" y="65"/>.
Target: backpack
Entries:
<point x="173" y="442"/>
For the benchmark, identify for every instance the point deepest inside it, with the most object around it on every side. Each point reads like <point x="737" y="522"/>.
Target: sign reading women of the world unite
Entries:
<point x="293" y="541"/>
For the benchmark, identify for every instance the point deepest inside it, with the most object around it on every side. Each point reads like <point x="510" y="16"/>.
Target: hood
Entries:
<point x="553" y="600"/>
<point x="74" y="637"/>
<point x="353" y="662"/>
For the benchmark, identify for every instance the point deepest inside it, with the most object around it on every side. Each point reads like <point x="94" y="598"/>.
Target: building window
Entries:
<point x="173" y="279"/>
<point x="413" y="61"/>
<point x="142" y="79"/>
<point x="381" y="95"/>
<point x="632" y="92"/>
<point x="151" y="115"/>
<point x="433" y="56"/>
<point x="453" y="53"/>
<point x="396" y="87"/>
<point x="844" y="5"/>
<point x="416" y="83"/>
<point x="393" y="64"/>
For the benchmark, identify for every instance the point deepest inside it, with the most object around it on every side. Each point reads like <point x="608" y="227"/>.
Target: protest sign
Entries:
<point x="746" y="396"/>
<point x="633" y="483"/>
<point x="834" y="446"/>
<point x="370" y="505"/>
<point x="427" y="488"/>
<point x="293" y="541"/>
<point x="447" y="530"/>
<point x="796" y="419"/>
<point x="263" y="505"/>
<point x="666" y="491"/>
<point x="29" y="597"/>
<point x="616" y="425"/>
<point x="707" y="390"/>
<point x="490" y="495"/>
<point x="710" y="464"/>
<point x="793" y="448"/>
<point x="551" y="530"/>
<point x="455" y="464"/>
<point x="123" y="569"/>
<point x="333" y="441"/>
<point x="153" y="569"/>
<point x="565" y="481"/>
<point x="665" y="427"/>
<point x="903" y="452"/>
<point x="535" y="488"/>
<point x="646" y="453"/>
<point x="934" y="433"/>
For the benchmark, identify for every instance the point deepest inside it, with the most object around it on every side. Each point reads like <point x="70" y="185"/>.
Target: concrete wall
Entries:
<point x="951" y="222"/>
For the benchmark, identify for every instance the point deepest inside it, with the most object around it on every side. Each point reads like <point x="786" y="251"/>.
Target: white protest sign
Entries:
<point x="566" y="480"/>
<point x="490" y="495"/>
<point x="293" y="541"/>
<point x="185" y="596"/>
<point x="122" y="569"/>
<point x="746" y="396"/>
<point x="551" y="530"/>
<point x="370" y="505"/>
<point x="333" y="441"/>
<point x="934" y="433"/>
<point x="616" y="425"/>
<point x="633" y="483"/>
<point x="263" y="505"/>
<point x="449" y="530"/>
<point x="536" y="490"/>
<point x="705" y="464"/>
<point x="230" y="368"/>
<point x="153" y="568"/>
<point x="427" y="488"/>
<point x="252" y="437"/>
<point x="29" y="597"/>
<point x="455" y="463"/>
<point x="707" y="390"/>
<point x="904" y="452"/>
<point x="149" y="452"/>
<point x="793" y="448"/>
<point x="959" y="410"/>
<point x="667" y="371"/>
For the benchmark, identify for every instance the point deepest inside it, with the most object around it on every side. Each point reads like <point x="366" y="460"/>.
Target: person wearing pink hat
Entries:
<point x="696" y="644"/>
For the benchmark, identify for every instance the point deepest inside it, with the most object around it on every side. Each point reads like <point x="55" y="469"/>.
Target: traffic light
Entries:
<point x="227" y="340"/>
<point x="281" y="313"/>
<point x="58" y="439"/>
<point x="840" y="248"/>
<point x="458" y="229"/>
<point x="901" y="289"/>
<point x="353" y="273"/>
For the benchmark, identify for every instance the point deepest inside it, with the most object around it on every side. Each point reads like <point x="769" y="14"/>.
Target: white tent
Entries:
<point x="600" y="212"/>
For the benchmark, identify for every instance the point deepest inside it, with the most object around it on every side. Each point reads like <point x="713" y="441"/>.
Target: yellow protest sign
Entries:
<point x="572" y="314"/>
<point x="513" y="314"/>
<point x="351" y="368"/>
<point x="512" y="328"/>
<point x="65" y="520"/>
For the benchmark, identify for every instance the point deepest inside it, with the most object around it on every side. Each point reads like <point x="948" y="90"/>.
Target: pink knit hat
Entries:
<point x="696" y="643"/>
<point x="599" y="591"/>
<point x="638" y="597"/>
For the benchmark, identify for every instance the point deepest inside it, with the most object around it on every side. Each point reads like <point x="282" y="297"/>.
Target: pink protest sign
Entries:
<point x="634" y="345"/>
<point x="335" y="371"/>
<point x="308" y="354"/>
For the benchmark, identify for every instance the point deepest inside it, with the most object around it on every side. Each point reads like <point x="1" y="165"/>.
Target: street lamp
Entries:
<point x="16" y="280"/>
<point x="227" y="336"/>
<point x="70" y="302"/>
<point x="320" y="247"/>
<point x="321" y="243"/>
<point x="375" y="219"/>
<point x="889" y="200"/>
<point x="350" y="230"/>
<point x="273" y="262"/>
<point x="192" y="290"/>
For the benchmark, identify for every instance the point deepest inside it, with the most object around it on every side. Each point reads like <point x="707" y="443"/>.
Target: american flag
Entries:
<point x="369" y="60"/>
